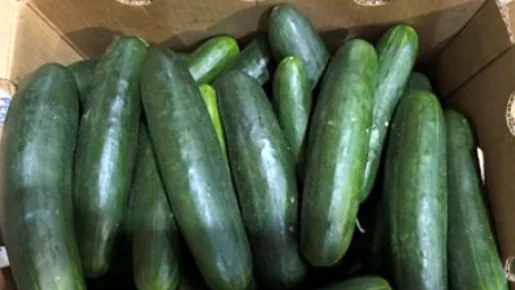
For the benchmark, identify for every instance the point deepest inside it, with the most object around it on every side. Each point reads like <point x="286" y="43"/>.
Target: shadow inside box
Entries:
<point x="248" y="23"/>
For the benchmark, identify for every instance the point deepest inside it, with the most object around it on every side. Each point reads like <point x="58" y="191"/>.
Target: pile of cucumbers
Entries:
<point x="251" y="168"/>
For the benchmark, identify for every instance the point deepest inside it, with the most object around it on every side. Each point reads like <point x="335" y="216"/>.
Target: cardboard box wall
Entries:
<point x="465" y="44"/>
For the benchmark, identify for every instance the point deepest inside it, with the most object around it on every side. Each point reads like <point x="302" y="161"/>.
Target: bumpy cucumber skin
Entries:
<point x="397" y="51"/>
<point x="419" y="81"/>
<point x="292" y="102"/>
<point x="290" y="33"/>
<point x="255" y="59"/>
<point x="196" y="176"/>
<point x="38" y="147"/>
<point x="474" y="261"/>
<point x="264" y="175"/>
<point x="83" y="73"/>
<point x="155" y="236"/>
<point x="415" y="194"/>
<point x="106" y="151"/>
<point x="212" y="58"/>
<point x="336" y="157"/>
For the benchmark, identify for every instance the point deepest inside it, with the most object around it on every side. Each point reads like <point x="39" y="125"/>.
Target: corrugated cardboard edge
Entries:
<point x="8" y="15"/>
<point x="507" y="8"/>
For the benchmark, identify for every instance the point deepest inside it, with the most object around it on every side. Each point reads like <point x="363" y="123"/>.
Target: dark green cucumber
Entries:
<point x="419" y="81"/>
<point x="361" y="283"/>
<point x="194" y="172"/>
<point x="209" y="96"/>
<point x="336" y="155"/>
<point x="377" y="259"/>
<point x="212" y="57"/>
<point x="255" y="59"/>
<point x="292" y="101"/>
<point x="416" y="194"/>
<point x="83" y="73"/>
<point x="264" y="176"/>
<point x="292" y="34"/>
<point x="38" y="145"/>
<point x="397" y="52"/>
<point x="155" y="234"/>
<point x="106" y="153"/>
<point x="474" y="261"/>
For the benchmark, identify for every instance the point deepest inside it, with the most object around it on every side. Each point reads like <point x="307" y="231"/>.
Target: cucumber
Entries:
<point x="155" y="234"/>
<point x="378" y="246"/>
<point x="292" y="101"/>
<point x="255" y="59"/>
<point x="397" y="52"/>
<point x="212" y="57"/>
<point x="83" y="73"/>
<point x="209" y="96"/>
<point x="195" y="175"/>
<point x="38" y="145"/>
<point x="264" y="176"/>
<point x="106" y="151"/>
<point x="361" y="283"/>
<point x="290" y="33"/>
<point x="474" y="261"/>
<point x="416" y="194"/>
<point x="419" y="81"/>
<point x="336" y="155"/>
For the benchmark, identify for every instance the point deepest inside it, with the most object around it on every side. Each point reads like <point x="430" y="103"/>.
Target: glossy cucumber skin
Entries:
<point x="361" y="283"/>
<point x="397" y="51"/>
<point x="336" y="155"/>
<point x="194" y="172"/>
<point x="290" y="33"/>
<point x="415" y="194"/>
<point x="474" y="261"/>
<point x="255" y="59"/>
<point x="292" y="102"/>
<point x="83" y="73"/>
<point x="419" y="81"/>
<point x="155" y="236"/>
<point x="38" y="148"/>
<point x="106" y="152"/>
<point x="210" y="98"/>
<point x="212" y="58"/>
<point x="264" y="176"/>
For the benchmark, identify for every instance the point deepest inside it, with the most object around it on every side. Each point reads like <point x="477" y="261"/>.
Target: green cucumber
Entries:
<point x="474" y="261"/>
<point x="255" y="59"/>
<point x="419" y="81"/>
<point x="212" y="57"/>
<point x="361" y="283"/>
<point x="416" y="194"/>
<point x="290" y="33"/>
<point x="83" y="73"/>
<point x="195" y="175"/>
<point x="264" y="176"/>
<point x="336" y="157"/>
<point x="106" y="151"/>
<point x="397" y="52"/>
<point x="155" y="234"/>
<point x="38" y="147"/>
<point x="378" y="245"/>
<point x="209" y="96"/>
<point x="292" y="101"/>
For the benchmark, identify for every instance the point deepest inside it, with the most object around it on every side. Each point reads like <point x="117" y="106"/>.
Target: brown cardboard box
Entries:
<point x="466" y="44"/>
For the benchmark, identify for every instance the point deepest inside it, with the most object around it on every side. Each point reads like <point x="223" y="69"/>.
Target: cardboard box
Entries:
<point x="465" y="44"/>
